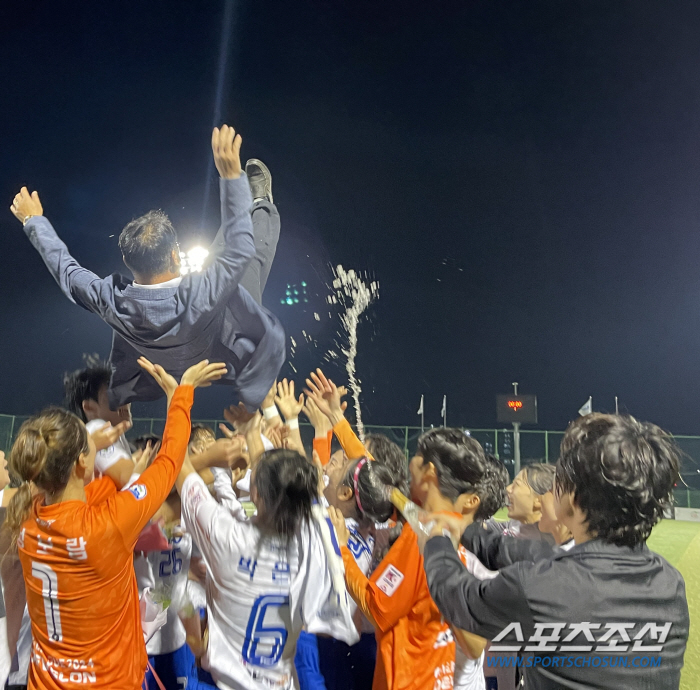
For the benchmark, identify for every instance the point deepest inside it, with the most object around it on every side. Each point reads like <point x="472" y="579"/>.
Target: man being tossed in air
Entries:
<point x="174" y="320"/>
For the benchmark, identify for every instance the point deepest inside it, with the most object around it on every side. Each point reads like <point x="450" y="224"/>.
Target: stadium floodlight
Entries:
<point x="193" y="260"/>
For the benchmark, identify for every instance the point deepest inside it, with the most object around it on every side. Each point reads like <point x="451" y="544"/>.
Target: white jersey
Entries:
<point x="362" y="551"/>
<point x="165" y="572"/>
<point x="261" y="593"/>
<point x="109" y="456"/>
<point x="469" y="673"/>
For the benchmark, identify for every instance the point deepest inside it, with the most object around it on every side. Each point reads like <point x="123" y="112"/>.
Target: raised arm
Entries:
<point x="80" y="286"/>
<point x="481" y="607"/>
<point x="132" y="509"/>
<point x="381" y="609"/>
<point x="290" y="407"/>
<point x="323" y="431"/>
<point x="248" y="424"/>
<point x="234" y="247"/>
<point x="328" y="398"/>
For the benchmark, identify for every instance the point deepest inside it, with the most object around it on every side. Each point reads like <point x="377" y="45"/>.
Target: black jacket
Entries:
<point x="595" y="583"/>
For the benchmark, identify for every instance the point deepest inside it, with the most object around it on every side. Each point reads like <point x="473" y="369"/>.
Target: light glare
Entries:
<point x="193" y="260"/>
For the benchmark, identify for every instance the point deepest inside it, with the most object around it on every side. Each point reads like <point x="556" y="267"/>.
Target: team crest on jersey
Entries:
<point x="444" y="638"/>
<point x="139" y="491"/>
<point x="390" y="580"/>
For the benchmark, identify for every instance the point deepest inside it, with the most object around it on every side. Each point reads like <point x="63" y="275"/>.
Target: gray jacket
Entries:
<point x="207" y="316"/>
<point x="548" y="593"/>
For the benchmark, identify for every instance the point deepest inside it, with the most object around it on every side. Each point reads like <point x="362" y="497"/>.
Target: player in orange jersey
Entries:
<point x="416" y="648"/>
<point x="76" y="541"/>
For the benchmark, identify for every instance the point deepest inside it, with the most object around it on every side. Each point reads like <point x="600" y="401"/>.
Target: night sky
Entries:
<point x="522" y="178"/>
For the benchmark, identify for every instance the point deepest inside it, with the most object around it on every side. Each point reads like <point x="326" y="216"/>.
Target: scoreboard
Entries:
<point x="516" y="408"/>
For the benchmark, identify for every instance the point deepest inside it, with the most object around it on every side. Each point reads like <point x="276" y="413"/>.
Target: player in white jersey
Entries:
<point x="267" y="578"/>
<point x="356" y="489"/>
<point x="86" y="396"/>
<point x="165" y="574"/>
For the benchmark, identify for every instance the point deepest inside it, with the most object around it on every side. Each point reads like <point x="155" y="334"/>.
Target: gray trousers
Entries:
<point x="266" y="233"/>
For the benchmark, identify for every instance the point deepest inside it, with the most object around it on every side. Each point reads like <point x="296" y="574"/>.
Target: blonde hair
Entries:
<point x="46" y="448"/>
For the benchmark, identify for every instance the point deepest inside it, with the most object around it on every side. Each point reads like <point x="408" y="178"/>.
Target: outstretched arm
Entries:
<point x="80" y="286"/>
<point x="134" y="508"/>
<point x="480" y="607"/>
<point x="233" y="246"/>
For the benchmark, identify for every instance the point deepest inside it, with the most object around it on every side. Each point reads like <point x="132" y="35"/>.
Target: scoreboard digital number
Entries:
<point x="516" y="408"/>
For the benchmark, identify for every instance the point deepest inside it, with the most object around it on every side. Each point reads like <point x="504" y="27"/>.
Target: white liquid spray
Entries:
<point x="355" y="293"/>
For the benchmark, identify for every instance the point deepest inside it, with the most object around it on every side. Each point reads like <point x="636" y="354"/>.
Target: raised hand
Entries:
<point x="241" y="420"/>
<point x="162" y="377"/>
<point x="198" y="376"/>
<point x="26" y="205"/>
<point x="287" y="404"/>
<point x="143" y="458"/>
<point x="270" y="397"/>
<point x="319" y="421"/>
<point x="274" y="435"/>
<point x="226" y="146"/>
<point x="327" y="396"/>
<point x="226" y="452"/>
<point x="201" y="375"/>
<point x="107" y="435"/>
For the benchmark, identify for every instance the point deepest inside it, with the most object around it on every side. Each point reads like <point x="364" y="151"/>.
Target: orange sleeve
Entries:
<point x="348" y="439"/>
<point x="99" y="490"/>
<point x="322" y="446"/>
<point x="391" y="592"/>
<point x="133" y="508"/>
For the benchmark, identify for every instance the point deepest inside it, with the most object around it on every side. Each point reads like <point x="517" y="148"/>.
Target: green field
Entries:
<point x="679" y="543"/>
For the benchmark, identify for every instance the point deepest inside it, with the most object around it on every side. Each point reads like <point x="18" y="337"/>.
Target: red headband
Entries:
<point x="355" y="477"/>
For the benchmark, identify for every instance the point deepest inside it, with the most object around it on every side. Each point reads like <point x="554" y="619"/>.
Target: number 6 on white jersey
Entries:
<point x="49" y="590"/>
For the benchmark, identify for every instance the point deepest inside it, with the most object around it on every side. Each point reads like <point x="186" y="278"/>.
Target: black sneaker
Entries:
<point x="260" y="179"/>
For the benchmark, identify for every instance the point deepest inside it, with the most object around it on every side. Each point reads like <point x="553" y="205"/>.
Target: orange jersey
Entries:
<point x="352" y="445"/>
<point x="77" y="560"/>
<point x="322" y="446"/>
<point x="415" y="647"/>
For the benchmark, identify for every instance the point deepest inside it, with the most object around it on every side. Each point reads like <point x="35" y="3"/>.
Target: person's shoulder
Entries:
<point x="94" y="425"/>
<point x="99" y="490"/>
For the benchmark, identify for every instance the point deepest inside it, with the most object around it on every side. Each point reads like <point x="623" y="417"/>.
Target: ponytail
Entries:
<point x="18" y="509"/>
<point x="46" y="448"/>
<point x="287" y="486"/>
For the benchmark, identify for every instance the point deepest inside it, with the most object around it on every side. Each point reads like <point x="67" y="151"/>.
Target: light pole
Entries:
<point x="516" y="439"/>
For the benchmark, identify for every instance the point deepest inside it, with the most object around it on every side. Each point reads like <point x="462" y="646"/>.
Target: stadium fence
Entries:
<point x="535" y="446"/>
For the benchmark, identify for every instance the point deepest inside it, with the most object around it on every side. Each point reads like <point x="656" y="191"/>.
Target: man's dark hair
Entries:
<point x="386" y="452"/>
<point x="540" y="477"/>
<point x="459" y="460"/>
<point x="85" y="384"/>
<point x="621" y="473"/>
<point x="147" y="244"/>
<point x="492" y="491"/>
